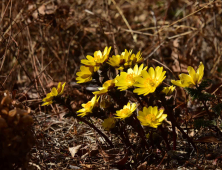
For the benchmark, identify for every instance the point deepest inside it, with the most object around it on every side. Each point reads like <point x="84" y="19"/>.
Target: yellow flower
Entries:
<point x="98" y="59"/>
<point x="149" y="81"/>
<point x="134" y="59"/>
<point x="85" y="74"/>
<point x="109" y="123"/>
<point x="151" y="116"/>
<point x="55" y="92"/>
<point x="127" y="80"/>
<point x="118" y="61"/>
<point x="106" y="86"/>
<point x="168" y="90"/>
<point x="192" y="79"/>
<point x="88" y="107"/>
<point x="127" y="111"/>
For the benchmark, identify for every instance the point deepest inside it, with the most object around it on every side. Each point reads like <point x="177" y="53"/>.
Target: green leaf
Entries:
<point x="218" y="108"/>
<point x="204" y="84"/>
<point x="198" y="123"/>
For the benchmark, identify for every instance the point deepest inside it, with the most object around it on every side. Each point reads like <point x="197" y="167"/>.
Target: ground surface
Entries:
<point x="42" y="43"/>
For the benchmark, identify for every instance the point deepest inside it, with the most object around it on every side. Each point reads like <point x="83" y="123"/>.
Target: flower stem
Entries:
<point x="67" y="104"/>
<point x="164" y="137"/>
<point x="207" y="110"/>
<point x="174" y="124"/>
<point x="140" y="130"/>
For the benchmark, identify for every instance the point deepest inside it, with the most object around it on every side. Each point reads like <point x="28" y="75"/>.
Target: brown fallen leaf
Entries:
<point x="124" y="160"/>
<point x="207" y="139"/>
<point x="74" y="150"/>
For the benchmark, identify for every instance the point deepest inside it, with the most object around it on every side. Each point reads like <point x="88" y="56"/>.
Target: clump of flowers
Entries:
<point x="168" y="90"/>
<point x="149" y="81"/>
<point x="127" y="111"/>
<point x="88" y="107"/>
<point x="109" y="123"/>
<point x="129" y="78"/>
<point x="151" y="116"/>
<point x="114" y="94"/>
<point x="192" y="79"/>
<point x="55" y="92"/>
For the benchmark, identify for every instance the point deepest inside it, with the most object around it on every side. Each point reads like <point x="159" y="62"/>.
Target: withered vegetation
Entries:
<point x="42" y="43"/>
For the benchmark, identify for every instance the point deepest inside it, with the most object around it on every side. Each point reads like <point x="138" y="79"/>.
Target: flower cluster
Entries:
<point x="137" y="77"/>
<point x="144" y="81"/>
<point x="132" y="98"/>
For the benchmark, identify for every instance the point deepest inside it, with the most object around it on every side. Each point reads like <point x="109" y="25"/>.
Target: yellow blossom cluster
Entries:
<point x="143" y="80"/>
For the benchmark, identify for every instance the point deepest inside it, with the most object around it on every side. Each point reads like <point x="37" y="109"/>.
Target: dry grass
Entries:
<point x="43" y="41"/>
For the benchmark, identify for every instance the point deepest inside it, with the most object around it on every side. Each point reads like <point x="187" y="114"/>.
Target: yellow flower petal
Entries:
<point x="109" y="123"/>
<point x="193" y="78"/>
<point x="168" y="90"/>
<point x="98" y="59"/>
<point x="149" y="81"/>
<point x="151" y="116"/>
<point x="88" y="107"/>
<point x="127" y="111"/>
<point x="85" y="74"/>
<point x="127" y="80"/>
<point x="106" y="87"/>
<point x="54" y="92"/>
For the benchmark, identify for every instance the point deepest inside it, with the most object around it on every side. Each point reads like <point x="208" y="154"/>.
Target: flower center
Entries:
<point x="125" y="111"/>
<point x="130" y="78"/>
<point x="97" y="57"/>
<point x="88" y="105"/>
<point x="150" y="118"/>
<point x="151" y="82"/>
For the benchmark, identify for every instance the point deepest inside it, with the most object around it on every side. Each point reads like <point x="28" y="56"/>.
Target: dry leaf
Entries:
<point x="74" y="150"/>
<point x="124" y="160"/>
<point x="207" y="139"/>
